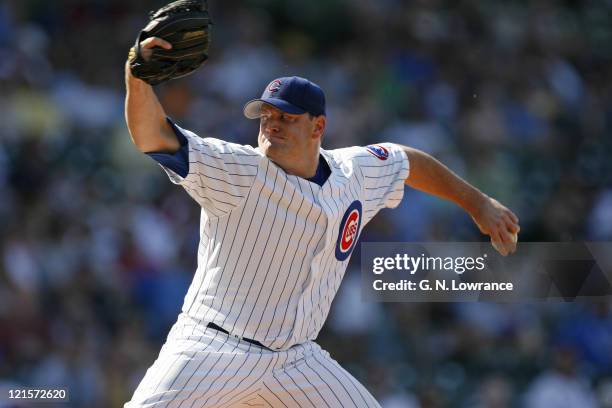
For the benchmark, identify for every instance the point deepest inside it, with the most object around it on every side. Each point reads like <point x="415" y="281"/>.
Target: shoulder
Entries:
<point x="378" y="154"/>
<point x="208" y="145"/>
<point x="225" y="147"/>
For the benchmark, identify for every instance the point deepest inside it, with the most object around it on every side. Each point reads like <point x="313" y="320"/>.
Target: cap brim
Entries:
<point x="252" y="109"/>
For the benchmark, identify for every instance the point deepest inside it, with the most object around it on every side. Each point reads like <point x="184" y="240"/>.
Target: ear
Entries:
<point x="319" y="126"/>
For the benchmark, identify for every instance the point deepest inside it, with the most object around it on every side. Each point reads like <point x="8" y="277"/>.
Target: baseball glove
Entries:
<point x="186" y="25"/>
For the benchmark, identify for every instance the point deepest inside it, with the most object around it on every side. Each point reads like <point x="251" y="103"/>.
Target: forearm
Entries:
<point x="146" y="119"/>
<point x="430" y="176"/>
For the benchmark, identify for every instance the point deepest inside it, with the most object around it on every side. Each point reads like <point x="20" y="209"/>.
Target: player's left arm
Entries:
<point x="429" y="175"/>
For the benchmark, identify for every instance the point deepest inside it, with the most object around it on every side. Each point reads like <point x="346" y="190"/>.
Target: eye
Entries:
<point x="289" y="119"/>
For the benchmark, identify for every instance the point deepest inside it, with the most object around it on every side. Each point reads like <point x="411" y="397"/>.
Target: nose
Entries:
<point x="270" y="125"/>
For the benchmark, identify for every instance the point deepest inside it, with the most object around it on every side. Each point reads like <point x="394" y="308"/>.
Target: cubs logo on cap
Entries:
<point x="295" y="95"/>
<point x="379" y="151"/>
<point x="274" y="86"/>
<point x="348" y="231"/>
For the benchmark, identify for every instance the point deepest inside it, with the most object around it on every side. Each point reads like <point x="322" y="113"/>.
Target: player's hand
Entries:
<point x="146" y="46"/>
<point x="146" y="50"/>
<point x="498" y="222"/>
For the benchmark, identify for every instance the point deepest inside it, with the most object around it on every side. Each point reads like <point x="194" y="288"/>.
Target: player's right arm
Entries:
<point x="215" y="173"/>
<point x="144" y="115"/>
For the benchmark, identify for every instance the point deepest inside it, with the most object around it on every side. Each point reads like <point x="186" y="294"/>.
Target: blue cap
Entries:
<point x="290" y="94"/>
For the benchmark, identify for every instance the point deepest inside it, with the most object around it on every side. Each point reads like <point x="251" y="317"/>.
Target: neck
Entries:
<point x="304" y="168"/>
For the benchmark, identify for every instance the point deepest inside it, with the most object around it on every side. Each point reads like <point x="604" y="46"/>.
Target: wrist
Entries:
<point x="132" y="81"/>
<point x="475" y="203"/>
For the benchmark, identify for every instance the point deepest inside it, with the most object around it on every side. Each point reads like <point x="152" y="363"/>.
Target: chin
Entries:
<point x="271" y="149"/>
<point x="272" y="153"/>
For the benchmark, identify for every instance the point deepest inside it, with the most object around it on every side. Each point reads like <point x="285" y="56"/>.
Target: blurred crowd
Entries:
<point x="98" y="247"/>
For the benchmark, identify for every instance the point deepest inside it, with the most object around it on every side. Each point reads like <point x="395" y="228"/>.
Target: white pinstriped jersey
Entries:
<point x="274" y="247"/>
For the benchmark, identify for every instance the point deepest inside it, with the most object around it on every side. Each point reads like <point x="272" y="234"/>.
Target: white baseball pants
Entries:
<point x="203" y="367"/>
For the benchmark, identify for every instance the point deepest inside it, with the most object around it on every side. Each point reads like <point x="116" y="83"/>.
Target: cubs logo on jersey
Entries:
<point x="379" y="151"/>
<point x="348" y="231"/>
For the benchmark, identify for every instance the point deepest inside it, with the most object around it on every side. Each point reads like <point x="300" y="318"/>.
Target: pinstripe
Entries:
<point x="263" y="372"/>
<point x="350" y="378"/>
<point x="340" y="269"/>
<point x="297" y="367"/>
<point x="302" y="303"/>
<point x="253" y="401"/>
<point x="290" y="269"/>
<point x="221" y="169"/>
<point x="239" y="397"/>
<point x="286" y="391"/>
<point x="223" y="181"/>
<point x="322" y="239"/>
<point x="239" y="154"/>
<point x="239" y="254"/>
<point x="331" y="225"/>
<point x="221" y="241"/>
<point x="324" y="382"/>
<point x="201" y="199"/>
<point x="326" y="270"/>
<point x="225" y="271"/>
<point x="283" y="258"/>
<point x="269" y="268"/>
<point x="323" y="365"/>
<point x="234" y="149"/>
<point x="210" y="368"/>
<point x="258" y="264"/>
<point x="211" y="383"/>
<point x="295" y="286"/>
<point x="202" y="265"/>
<point x="180" y="372"/>
<point x="286" y="372"/>
<point x="267" y="402"/>
<point x="242" y="247"/>
<point x="244" y="360"/>
<point x="225" y="192"/>
<point x="275" y="396"/>
<point x="376" y="166"/>
<point x="359" y="388"/>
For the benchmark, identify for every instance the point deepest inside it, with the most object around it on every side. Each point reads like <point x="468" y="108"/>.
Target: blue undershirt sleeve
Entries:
<point x="177" y="162"/>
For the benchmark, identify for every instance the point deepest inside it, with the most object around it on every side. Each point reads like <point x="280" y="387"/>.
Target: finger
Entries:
<point x="512" y="233"/>
<point x="511" y="246"/>
<point x="499" y="247"/>
<point x="512" y="226"/>
<point x="494" y="234"/>
<point x="509" y="243"/>
<point x="152" y="42"/>
<point x="497" y="242"/>
<point x="513" y="217"/>
<point x="504" y="235"/>
<point x="505" y="239"/>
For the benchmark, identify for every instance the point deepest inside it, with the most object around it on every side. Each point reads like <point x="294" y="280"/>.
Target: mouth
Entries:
<point x="273" y="138"/>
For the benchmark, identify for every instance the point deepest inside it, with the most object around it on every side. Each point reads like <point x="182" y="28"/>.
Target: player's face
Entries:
<point x="284" y="136"/>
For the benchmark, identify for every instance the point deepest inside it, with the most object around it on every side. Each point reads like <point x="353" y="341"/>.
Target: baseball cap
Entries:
<point x="290" y="94"/>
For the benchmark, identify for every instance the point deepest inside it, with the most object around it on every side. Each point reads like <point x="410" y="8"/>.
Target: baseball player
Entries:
<point x="278" y="225"/>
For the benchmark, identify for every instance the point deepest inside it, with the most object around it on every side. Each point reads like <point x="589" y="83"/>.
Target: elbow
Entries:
<point x="421" y="168"/>
<point x="137" y="140"/>
<point x="141" y="146"/>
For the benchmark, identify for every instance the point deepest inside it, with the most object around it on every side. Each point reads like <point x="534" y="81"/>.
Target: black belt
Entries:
<point x="222" y="330"/>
